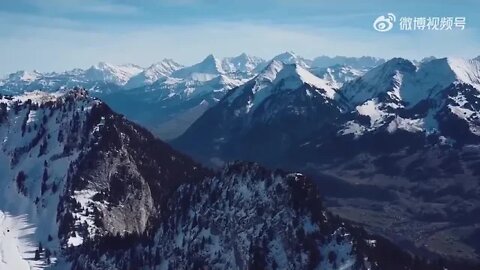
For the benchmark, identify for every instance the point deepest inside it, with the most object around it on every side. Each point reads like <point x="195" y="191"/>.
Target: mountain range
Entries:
<point x="175" y="95"/>
<point x="85" y="188"/>
<point x="401" y="140"/>
<point x="391" y="144"/>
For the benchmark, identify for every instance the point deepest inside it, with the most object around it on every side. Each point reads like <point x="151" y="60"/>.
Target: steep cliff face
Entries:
<point x="73" y="169"/>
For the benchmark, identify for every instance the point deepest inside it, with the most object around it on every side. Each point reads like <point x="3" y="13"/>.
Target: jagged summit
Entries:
<point x="290" y="57"/>
<point x="410" y="83"/>
<point x="207" y="69"/>
<point x="243" y="63"/>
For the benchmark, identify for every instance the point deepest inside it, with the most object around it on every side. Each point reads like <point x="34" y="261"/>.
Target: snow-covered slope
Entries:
<point x="390" y="94"/>
<point x="410" y="83"/>
<point x="277" y="77"/>
<point x="386" y="78"/>
<point x="17" y="246"/>
<point x="41" y="138"/>
<point x="466" y="71"/>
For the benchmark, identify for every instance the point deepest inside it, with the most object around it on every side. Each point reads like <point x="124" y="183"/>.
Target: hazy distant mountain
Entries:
<point x="364" y="62"/>
<point x="337" y="75"/>
<point x="243" y="63"/>
<point x="117" y="74"/>
<point x="153" y="73"/>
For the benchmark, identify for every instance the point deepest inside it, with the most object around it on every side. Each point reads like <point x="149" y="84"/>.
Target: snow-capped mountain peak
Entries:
<point x="154" y="72"/>
<point x="243" y="63"/>
<point x="206" y="70"/>
<point x="292" y="58"/>
<point x="381" y="79"/>
<point x="25" y="76"/>
<point x="211" y="64"/>
<point x="278" y="77"/>
<point x="106" y="72"/>
<point x="288" y="55"/>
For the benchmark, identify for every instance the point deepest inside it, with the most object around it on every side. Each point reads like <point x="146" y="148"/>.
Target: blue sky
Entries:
<point x="62" y="34"/>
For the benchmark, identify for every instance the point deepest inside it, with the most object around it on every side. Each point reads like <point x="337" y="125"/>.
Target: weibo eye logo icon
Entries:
<point x="384" y="23"/>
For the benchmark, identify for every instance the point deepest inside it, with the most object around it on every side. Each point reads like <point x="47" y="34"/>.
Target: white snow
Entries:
<point x="462" y="113"/>
<point x="372" y="109"/>
<point x="410" y="125"/>
<point x="351" y="127"/>
<point x="29" y="76"/>
<point x="37" y="97"/>
<point x="206" y="70"/>
<point x="17" y="244"/>
<point x="313" y="80"/>
<point x="118" y="74"/>
<point x="34" y="213"/>
<point x="467" y="71"/>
